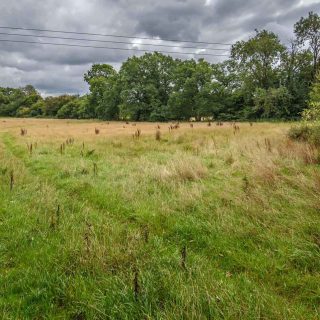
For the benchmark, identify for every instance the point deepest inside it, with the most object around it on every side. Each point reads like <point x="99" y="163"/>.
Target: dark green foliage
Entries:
<point x="77" y="108"/>
<point x="307" y="33"/>
<point x="299" y="133"/>
<point x="20" y="102"/>
<point x="54" y="104"/>
<point x="262" y="79"/>
<point x="309" y="133"/>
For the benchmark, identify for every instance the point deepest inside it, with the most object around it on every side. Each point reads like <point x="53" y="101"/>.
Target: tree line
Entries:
<point x="262" y="79"/>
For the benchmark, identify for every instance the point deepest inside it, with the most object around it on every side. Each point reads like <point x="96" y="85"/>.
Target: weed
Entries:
<point x="229" y="160"/>
<point x="183" y="257"/>
<point x="136" y="285"/>
<point x="158" y="135"/>
<point x="137" y="134"/>
<point x="158" y="212"/>
<point x="11" y="180"/>
<point x="267" y="144"/>
<point x="23" y="132"/>
<point x="90" y="152"/>
<point x="95" y="169"/>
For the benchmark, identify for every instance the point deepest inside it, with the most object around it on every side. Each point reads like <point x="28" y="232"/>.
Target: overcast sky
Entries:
<point x="56" y="69"/>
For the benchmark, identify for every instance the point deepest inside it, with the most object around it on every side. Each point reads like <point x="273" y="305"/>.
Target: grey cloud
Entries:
<point x="173" y="20"/>
<point x="54" y="69"/>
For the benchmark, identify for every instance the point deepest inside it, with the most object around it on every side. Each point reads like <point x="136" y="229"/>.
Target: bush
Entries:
<point x="308" y="133"/>
<point x="301" y="133"/>
<point x="315" y="135"/>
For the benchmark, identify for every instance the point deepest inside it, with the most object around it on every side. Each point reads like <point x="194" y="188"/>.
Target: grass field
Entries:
<point x="201" y="223"/>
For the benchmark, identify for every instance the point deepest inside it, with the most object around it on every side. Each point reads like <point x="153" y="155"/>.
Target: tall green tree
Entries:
<point x="257" y="64"/>
<point x="312" y="113"/>
<point x="193" y="90"/>
<point x="307" y="31"/>
<point x="296" y="76"/>
<point x="146" y="84"/>
<point x="100" y="78"/>
<point x="258" y="59"/>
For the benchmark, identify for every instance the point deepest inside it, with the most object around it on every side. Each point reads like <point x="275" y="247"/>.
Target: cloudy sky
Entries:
<point x="58" y="69"/>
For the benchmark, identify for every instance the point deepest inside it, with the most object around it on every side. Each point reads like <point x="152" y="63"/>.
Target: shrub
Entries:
<point x="309" y="133"/>
<point x="315" y="135"/>
<point x="301" y="133"/>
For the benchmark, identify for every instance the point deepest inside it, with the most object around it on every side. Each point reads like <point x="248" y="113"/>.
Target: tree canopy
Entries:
<point x="263" y="78"/>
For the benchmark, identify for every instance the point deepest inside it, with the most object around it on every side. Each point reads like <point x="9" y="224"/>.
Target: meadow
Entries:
<point x="115" y="220"/>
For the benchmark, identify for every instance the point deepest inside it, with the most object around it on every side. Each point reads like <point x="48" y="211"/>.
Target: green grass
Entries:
<point x="248" y="218"/>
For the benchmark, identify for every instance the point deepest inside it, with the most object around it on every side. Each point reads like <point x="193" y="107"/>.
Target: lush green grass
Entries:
<point x="245" y="207"/>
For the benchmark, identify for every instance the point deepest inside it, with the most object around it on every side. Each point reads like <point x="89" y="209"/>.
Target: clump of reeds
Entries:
<point x="229" y="160"/>
<point x="267" y="144"/>
<point x="4" y="170"/>
<point x="95" y="169"/>
<point x="30" y="148"/>
<point x="137" y="134"/>
<point x="236" y="128"/>
<point x="62" y="148"/>
<point x="183" y="257"/>
<point x="90" y="152"/>
<point x="11" y="180"/>
<point x="55" y="218"/>
<point x="158" y="135"/>
<point x="84" y="171"/>
<point x="136" y="285"/>
<point x="23" y="132"/>
<point x="145" y="232"/>
<point x="87" y="237"/>
<point x="174" y="126"/>
<point x="118" y="144"/>
<point x="246" y="184"/>
<point x="69" y="141"/>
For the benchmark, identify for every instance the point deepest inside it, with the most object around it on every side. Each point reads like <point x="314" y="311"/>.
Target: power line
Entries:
<point x="107" y="41"/>
<point x="114" y="35"/>
<point x="112" y="48"/>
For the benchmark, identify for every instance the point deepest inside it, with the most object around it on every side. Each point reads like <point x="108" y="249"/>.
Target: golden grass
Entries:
<point x="181" y="168"/>
<point x="44" y="129"/>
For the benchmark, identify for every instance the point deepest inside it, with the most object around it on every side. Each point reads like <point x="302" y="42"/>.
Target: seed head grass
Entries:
<point x="147" y="229"/>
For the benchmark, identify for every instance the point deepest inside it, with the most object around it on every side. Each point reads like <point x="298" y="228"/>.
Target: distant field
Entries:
<point x="42" y="129"/>
<point x="209" y="222"/>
